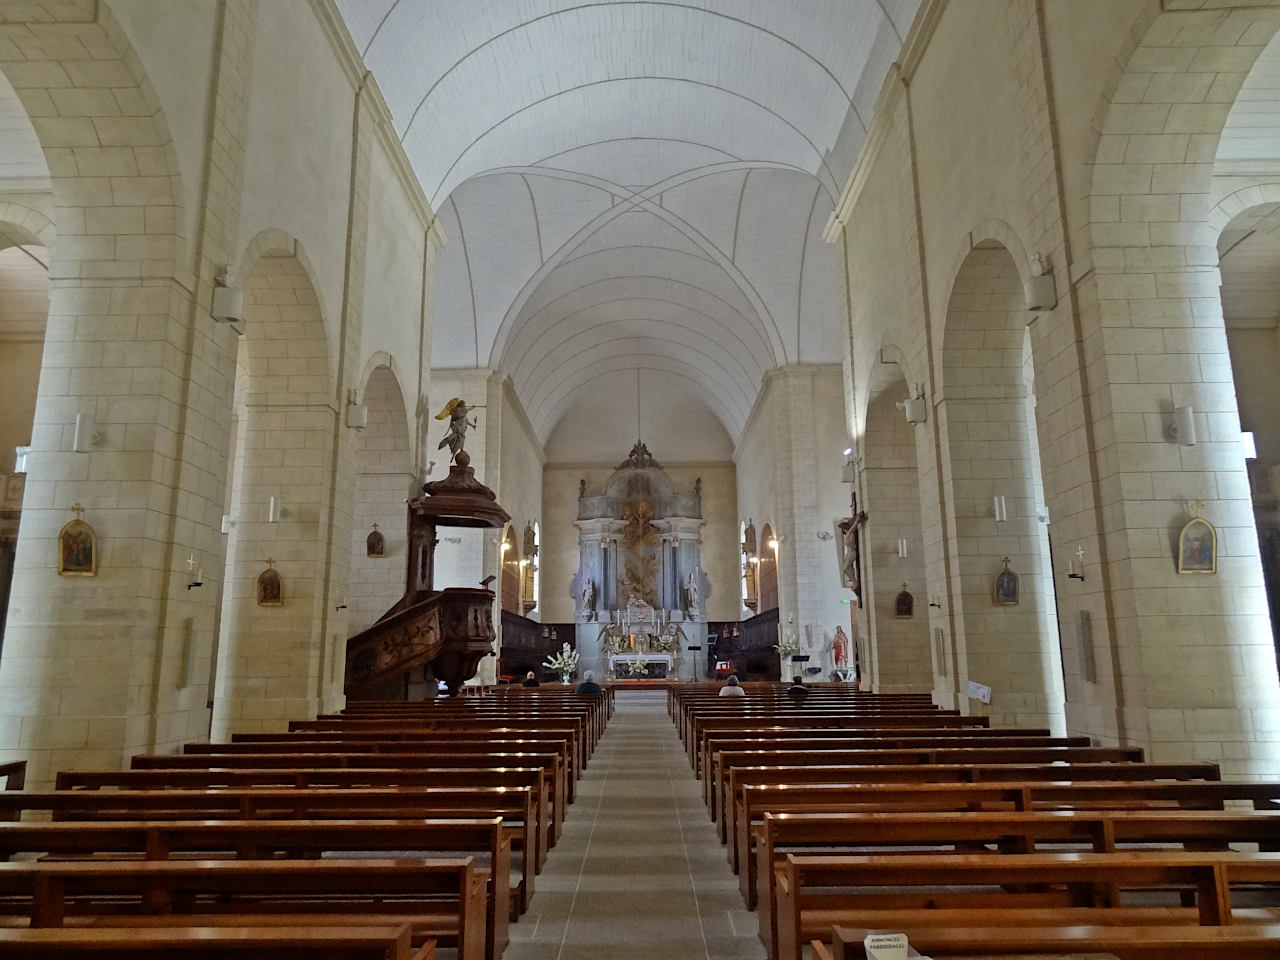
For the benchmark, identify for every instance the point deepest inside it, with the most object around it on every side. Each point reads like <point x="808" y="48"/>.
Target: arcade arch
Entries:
<point x="893" y="549"/>
<point x="991" y="476"/>
<point x="272" y="658"/>
<point x="384" y="477"/>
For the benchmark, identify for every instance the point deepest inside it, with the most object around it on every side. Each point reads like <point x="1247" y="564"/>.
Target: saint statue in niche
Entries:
<point x="589" y="596"/>
<point x="270" y="588"/>
<point x="77" y="547"/>
<point x="691" y="597"/>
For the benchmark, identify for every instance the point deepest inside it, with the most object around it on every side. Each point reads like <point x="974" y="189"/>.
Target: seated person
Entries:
<point x="530" y="680"/>
<point x="732" y="688"/>
<point x="797" y="687"/>
<point x="588" y="684"/>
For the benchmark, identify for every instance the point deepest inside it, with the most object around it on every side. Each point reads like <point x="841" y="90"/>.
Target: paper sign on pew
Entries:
<point x="979" y="691"/>
<point x="890" y="946"/>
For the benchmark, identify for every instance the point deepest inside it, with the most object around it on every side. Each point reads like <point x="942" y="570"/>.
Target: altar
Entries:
<point x="664" y="660"/>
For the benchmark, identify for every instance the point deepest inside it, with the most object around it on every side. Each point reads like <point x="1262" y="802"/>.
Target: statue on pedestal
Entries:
<point x="456" y="410"/>
<point x="691" y="596"/>
<point x="589" y="601"/>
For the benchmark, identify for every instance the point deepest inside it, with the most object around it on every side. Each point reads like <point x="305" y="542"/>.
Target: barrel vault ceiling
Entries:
<point x="638" y="185"/>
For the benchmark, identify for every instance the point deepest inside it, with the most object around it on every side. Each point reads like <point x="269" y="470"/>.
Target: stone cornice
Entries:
<point x="365" y="84"/>
<point x="899" y="77"/>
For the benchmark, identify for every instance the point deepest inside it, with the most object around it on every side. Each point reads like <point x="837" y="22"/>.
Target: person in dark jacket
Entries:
<point x="797" y="687"/>
<point x="530" y="680"/>
<point x="589" y="685"/>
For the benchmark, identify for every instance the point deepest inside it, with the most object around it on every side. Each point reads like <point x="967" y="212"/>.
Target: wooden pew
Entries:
<point x="1147" y="942"/>
<point x="348" y="769"/>
<point x="484" y="840"/>
<point x="1011" y="833"/>
<point x="440" y="899"/>
<point x="784" y="777"/>
<point x="301" y="776"/>
<point x="701" y="726"/>
<point x="404" y="741"/>
<point x="860" y="740"/>
<point x="515" y="807"/>
<point x="214" y="943"/>
<point x="740" y="709"/>
<point x="364" y="755"/>
<point x="447" y="729"/>
<point x="14" y="773"/>
<point x="993" y="890"/>
<point x="720" y="774"/>
<point x="756" y="801"/>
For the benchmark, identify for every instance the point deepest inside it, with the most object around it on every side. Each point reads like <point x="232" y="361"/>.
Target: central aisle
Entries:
<point x="639" y="870"/>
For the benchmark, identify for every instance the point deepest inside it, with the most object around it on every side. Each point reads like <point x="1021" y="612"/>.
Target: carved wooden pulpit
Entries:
<point x="451" y="629"/>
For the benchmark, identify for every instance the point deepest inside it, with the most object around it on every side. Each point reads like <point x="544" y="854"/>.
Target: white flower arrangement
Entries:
<point x="564" y="663"/>
<point x="787" y="647"/>
<point x="637" y="668"/>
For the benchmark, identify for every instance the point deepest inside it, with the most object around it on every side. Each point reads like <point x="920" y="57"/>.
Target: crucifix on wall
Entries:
<point x="851" y="548"/>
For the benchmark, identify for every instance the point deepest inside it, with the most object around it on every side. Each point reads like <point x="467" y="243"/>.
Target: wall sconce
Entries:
<point x="1040" y="290"/>
<point x="824" y="535"/>
<point x="342" y="604"/>
<point x="274" y="510"/>
<point x="1001" y="513"/>
<point x="914" y="407"/>
<point x="1072" y="572"/>
<point x="228" y="301"/>
<point x="357" y="412"/>
<point x="1183" y="428"/>
<point x="85" y="434"/>
<point x="228" y="522"/>
<point x="902" y="549"/>
<point x="773" y="543"/>
<point x="849" y="472"/>
<point x="199" y="576"/>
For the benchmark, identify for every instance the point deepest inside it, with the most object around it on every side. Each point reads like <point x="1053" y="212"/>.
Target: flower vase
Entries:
<point x="564" y="677"/>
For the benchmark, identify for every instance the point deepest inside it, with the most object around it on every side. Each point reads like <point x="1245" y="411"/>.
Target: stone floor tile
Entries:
<point x="639" y="871"/>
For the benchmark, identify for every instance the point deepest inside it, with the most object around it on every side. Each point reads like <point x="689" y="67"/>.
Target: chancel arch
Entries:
<point x="1000" y="581"/>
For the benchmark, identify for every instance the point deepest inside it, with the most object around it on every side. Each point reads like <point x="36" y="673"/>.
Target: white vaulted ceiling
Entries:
<point x="638" y="185"/>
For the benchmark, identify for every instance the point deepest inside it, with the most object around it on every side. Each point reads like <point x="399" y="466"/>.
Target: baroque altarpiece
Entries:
<point x="640" y="591"/>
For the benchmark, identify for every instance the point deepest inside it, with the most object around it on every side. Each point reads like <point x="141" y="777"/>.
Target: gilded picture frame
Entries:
<point x="1198" y="547"/>
<point x="77" y="550"/>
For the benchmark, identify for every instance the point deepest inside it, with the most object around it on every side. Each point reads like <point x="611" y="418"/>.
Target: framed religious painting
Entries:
<point x="1005" y="589"/>
<point x="375" y="545"/>
<point x="77" y="547"/>
<point x="270" y="588"/>
<point x="1198" y="547"/>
